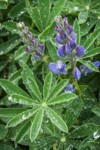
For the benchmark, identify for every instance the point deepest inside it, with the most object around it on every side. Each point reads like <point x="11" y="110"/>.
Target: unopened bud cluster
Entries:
<point x="32" y="45"/>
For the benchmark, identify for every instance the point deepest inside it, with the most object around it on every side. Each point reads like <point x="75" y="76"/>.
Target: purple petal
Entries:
<point x="80" y="50"/>
<point x="77" y="73"/>
<point x="96" y="63"/>
<point x="69" y="88"/>
<point x="41" y="46"/>
<point x="65" y="22"/>
<point x="67" y="49"/>
<point x="61" y="51"/>
<point x="53" y="68"/>
<point x="61" y="38"/>
<point x="70" y="28"/>
<point x="72" y="44"/>
<point x="73" y="36"/>
<point x="61" y="66"/>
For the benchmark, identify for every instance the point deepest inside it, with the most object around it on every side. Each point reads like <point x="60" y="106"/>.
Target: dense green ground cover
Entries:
<point x="38" y="111"/>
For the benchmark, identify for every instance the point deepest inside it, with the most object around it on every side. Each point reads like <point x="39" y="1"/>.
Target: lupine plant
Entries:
<point x="49" y="79"/>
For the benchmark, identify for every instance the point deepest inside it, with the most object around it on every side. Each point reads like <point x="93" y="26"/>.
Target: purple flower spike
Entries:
<point x="77" y="73"/>
<point x="61" y="51"/>
<point x="59" y="68"/>
<point x="69" y="89"/>
<point x="80" y="50"/>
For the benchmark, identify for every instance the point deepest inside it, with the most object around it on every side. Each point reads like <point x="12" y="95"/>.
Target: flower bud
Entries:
<point x="61" y="51"/>
<point x="80" y="50"/>
<point x="77" y="73"/>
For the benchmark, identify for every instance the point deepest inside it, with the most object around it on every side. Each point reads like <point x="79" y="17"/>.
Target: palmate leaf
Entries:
<point x="34" y="87"/>
<point x="58" y="88"/>
<point x="27" y="73"/>
<point x="11" y="88"/>
<point x="36" y="124"/>
<point x="62" y="98"/>
<point x="22" y="116"/>
<point x="91" y="39"/>
<point x="47" y="86"/>
<point x="21" y="99"/>
<point x="56" y="119"/>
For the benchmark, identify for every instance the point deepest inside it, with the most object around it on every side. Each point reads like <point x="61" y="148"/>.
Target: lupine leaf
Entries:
<point x="21" y="55"/>
<point x="77" y="30"/>
<point x="56" y="10"/>
<point x="47" y="85"/>
<point x="11" y="112"/>
<point x="52" y="50"/>
<point x="21" y="99"/>
<point x="62" y="98"/>
<point x="82" y="17"/>
<point x="35" y="15"/>
<point x="91" y="38"/>
<point x="22" y="117"/>
<point x="3" y="4"/>
<point x="9" y="45"/>
<point x="97" y="111"/>
<point x="48" y="33"/>
<point x="84" y="130"/>
<point x="92" y="52"/>
<point x="25" y="73"/>
<point x="73" y="110"/>
<point x="34" y="87"/>
<point x="3" y="131"/>
<point x="58" y="88"/>
<point x="4" y="146"/>
<point x="36" y="125"/>
<point x="22" y="132"/>
<point x="10" y="26"/>
<point x="17" y="10"/>
<point x="89" y="65"/>
<point x="56" y="119"/>
<point x="10" y="88"/>
<point x="44" y="8"/>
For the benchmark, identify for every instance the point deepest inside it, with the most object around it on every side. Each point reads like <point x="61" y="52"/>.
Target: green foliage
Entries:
<point x="35" y="111"/>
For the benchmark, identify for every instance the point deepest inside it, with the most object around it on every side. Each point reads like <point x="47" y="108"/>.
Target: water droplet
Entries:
<point x="96" y="135"/>
<point x="23" y="117"/>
